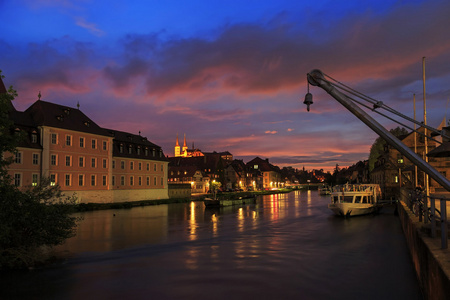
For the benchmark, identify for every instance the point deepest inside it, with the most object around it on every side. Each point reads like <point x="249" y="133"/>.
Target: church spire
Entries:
<point x="177" y="144"/>
<point x="184" y="144"/>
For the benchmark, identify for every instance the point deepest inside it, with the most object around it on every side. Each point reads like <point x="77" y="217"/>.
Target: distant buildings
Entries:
<point x="94" y="163"/>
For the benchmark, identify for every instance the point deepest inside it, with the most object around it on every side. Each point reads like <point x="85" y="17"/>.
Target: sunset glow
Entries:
<point x="231" y="75"/>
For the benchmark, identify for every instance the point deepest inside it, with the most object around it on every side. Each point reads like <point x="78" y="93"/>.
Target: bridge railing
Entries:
<point x="436" y="216"/>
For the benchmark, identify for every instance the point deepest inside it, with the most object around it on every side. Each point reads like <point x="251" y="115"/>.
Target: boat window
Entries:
<point x="357" y="199"/>
<point x="348" y="199"/>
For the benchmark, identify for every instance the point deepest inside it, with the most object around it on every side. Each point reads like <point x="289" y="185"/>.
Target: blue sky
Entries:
<point x="231" y="75"/>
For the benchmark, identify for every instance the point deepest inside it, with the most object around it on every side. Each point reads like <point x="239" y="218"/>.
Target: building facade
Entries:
<point x="92" y="163"/>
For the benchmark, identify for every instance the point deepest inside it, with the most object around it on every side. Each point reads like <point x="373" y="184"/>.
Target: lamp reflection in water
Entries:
<point x="192" y="252"/>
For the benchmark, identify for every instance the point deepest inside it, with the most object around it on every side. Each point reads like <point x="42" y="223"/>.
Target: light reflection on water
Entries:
<point x="287" y="246"/>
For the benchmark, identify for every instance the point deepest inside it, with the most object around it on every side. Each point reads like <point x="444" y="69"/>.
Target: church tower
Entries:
<point x="177" y="148"/>
<point x="185" y="148"/>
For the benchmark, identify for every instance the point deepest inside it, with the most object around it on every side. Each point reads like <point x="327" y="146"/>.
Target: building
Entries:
<point x="271" y="175"/>
<point x="93" y="163"/>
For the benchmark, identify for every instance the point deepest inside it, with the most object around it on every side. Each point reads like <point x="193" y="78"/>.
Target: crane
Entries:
<point x="317" y="78"/>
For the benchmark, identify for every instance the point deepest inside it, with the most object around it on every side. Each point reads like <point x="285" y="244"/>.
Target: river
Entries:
<point x="286" y="246"/>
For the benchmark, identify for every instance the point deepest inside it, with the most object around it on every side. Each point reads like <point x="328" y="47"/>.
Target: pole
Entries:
<point x="415" y="141"/>
<point x="427" y="183"/>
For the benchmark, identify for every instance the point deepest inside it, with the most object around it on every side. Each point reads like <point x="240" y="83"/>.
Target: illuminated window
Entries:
<point x="52" y="179"/>
<point x="35" y="179"/>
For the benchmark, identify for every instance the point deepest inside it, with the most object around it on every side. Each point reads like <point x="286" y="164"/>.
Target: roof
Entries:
<point x="44" y="113"/>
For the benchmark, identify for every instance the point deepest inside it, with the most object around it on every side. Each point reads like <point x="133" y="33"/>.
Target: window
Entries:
<point x="105" y="145"/>
<point x="68" y="160"/>
<point x="130" y="148"/>
<point x="113" y="180"/>
<point x="399" y="158"/>
<point x="146" y="151"/>
<point x="53" y="159"/>
<point x="104" y="163"/>
<point x="81" y="180"/>
<point x="131" y="180"/>
<point x="138" y="150"/>
<point x="140" y="180"/>
<point x="140" y="166"/>
<point x="94" y="144"/>
<point x="34" y="138"/>
<point x="131" y="165"/>
<point x="104" y="180"/>
<point x="94" y="162"/>
<point x="154" y="152"/>
<point x="148" y="167"/>
<point x="154" y="167"/>
<point x="148" y="180"/>
<point x="93" y="180"/>
<point x="17" y="179"/>
<point x="122" y="165"/>
<point x="68" y="140"/>
<point x="35" y="179"/>
<point x="18" y="159"/>
<point x="81" y="142"/>
<point x="67" y="181"/>
<point x="162" y="168"/>
<point x="113" y="164"/>
<point x="35" y="159"/>
<point x="121" y="148"/>
<point x="54" y="138"/>
<point x="81" y="161"/>
<point x="52" y="179"/>
<point x="154" y="180"/>
<point x="122" y="180"/>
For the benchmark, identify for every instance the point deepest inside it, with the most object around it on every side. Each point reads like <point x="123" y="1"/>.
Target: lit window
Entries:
<point x="35" y="178"/>
<point x="52" y="179"/>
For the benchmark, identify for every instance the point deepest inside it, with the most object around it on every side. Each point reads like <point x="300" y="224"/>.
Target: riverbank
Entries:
<point x="196" y="197"/>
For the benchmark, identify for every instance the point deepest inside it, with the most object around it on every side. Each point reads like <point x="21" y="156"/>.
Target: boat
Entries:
<point x="214" y="202"/>
<point x="324" y="190"/>
<point x="355" y="199"/>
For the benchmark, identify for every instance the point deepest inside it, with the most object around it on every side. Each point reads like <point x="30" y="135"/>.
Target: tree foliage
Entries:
<point x="377" y="147"/>
<point x="29" y="220"/>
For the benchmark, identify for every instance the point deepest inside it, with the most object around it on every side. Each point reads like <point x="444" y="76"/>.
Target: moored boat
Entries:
<point x="355" y="199"/>
<point x="210" y="202"/>
<point x="324" y="190"/>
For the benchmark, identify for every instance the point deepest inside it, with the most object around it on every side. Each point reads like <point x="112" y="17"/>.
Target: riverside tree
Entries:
<point x="377" y="147"/>
<point x="31" y="221"/>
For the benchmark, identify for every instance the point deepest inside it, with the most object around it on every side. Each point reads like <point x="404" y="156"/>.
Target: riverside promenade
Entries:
<point x="431" y="262"/>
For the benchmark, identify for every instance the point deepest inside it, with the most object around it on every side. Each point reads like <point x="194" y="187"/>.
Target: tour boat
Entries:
<point x="355" y="199"/>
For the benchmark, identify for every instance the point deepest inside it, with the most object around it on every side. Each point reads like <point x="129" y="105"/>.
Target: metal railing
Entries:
<point x="417" y="203"/>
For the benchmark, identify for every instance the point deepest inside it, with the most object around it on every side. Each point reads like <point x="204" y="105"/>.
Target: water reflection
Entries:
<point x="287" y="246"/>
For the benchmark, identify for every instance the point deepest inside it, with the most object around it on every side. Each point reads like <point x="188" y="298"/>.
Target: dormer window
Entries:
<point x="130" y="148"/>
<point x="67" y="111"/>
<point x="138" y="150"/>
<point x="121" y="148"/>
<point x="60" y="118"/>
<point x="87" y="123"/>
<point x="34" y="137"/>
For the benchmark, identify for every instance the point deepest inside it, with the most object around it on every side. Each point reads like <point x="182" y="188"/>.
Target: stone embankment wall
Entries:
<point x="432" y="264"/>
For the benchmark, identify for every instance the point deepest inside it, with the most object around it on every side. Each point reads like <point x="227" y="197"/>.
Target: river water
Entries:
<point x="286" y="246"/>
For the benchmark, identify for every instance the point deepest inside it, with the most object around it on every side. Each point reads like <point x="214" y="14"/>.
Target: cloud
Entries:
<point x="91" y="27"/>
<point x="271" y="132"/>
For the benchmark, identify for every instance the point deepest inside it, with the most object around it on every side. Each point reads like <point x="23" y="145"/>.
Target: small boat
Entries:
<point x="324" y="190"/>
<point x="355" y="199"/>
<point x="211" y="202"/>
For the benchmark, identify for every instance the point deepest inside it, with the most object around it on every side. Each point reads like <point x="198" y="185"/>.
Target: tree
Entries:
<point x="29" y="220"/>
<point x="377" y="147"/>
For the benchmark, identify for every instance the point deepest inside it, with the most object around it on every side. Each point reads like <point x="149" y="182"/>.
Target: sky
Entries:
<point x="231" y="75"/>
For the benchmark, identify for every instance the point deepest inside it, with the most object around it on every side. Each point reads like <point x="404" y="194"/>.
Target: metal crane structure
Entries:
<point x="317" y="78"/>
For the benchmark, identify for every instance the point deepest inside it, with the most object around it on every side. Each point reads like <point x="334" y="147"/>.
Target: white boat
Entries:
<point x="355" y="199"/>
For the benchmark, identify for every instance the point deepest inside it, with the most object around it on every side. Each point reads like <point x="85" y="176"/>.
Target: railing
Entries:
<point x="416" y="202"/>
